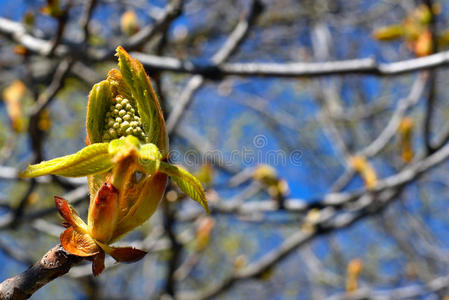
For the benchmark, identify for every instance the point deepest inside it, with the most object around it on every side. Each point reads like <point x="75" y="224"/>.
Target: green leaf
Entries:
<point x="119" y="86"/>
<point x="151" y="190"/>
<point x="90" y="160"/>
<point x="186" y="182"/>
<point x="123" y="144"/>
<point x="149" y="158"/>
<point x="147" y="103"/>
<point x="150" y="151"/>
<point x="99" y="100"/>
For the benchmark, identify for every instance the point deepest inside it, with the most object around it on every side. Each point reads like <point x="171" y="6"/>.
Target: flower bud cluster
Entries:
<point x="122" y="120"/>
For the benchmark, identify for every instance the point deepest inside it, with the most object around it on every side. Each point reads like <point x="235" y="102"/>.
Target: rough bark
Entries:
<point x="53" y="264"/>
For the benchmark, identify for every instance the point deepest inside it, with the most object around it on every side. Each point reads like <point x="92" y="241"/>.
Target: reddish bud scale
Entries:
<point x="103" y="213"/>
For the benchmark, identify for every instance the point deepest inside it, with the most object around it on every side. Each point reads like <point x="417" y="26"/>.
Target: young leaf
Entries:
<point x="149" y="158"/>
<point x="119" y="86"/>
<point x="99" y="100"/>
<point x="151" y="190"/>
<point x="147" y="103"/>
<point x="89" y="160"/>
<point x="123" y="254"/>
<point x="78" y="243"/>
<point x="98" y="263"/>
<point x="103" y="213"/>
<point x="70" y="215"/>
<point x="186" y="182"/>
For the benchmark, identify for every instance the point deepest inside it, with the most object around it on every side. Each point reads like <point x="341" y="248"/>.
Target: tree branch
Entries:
<point x="368" y="66"/>
<point x="230" y="46"/>
<point x="365" y="203"/>
<point x="53" y="264"/>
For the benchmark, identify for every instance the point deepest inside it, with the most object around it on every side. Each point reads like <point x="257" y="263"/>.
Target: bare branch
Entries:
<point x="53" y="264"/>
<point x="367" y="66"/>
<point x="230" y="46"/>
<point x="171" y="12"/>
<point x="366" y="203"/>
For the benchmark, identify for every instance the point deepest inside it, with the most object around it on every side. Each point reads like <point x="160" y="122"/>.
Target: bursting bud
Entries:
<point x="365" y="170"/>
<point x="406" y="135"/>
<point x="129" y="23"/>
<point x="125" y="161"/>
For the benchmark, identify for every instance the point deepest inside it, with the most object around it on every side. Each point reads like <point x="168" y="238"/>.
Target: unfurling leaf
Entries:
<point x="89" y="160"/>
<point x="77" y="243"/>
<point x="147" y="103"/>
<point x="186" y="182"/>
<point x="70" y="215"/>
<point x="103" y="213"/>
<point x="366" y="171"/>
<point x="100" y="97"/>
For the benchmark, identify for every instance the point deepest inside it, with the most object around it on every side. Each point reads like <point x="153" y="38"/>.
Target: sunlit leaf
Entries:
<point x="186" y="182"/>
<point x="70" y="215"/>
<point x="78" y="243"/>
<point x="92" y="159"/>
<point x="103" y="213"/>
<point x="147" y="103"/>
<point x="99" y="100"/>
<point x="150" y="192"/>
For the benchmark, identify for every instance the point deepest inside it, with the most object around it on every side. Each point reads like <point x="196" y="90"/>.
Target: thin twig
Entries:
<point x="230" y="46"/>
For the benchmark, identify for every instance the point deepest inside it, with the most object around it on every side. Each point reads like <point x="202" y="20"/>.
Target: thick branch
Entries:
<point x="16" y="32"/>
<point x="368" y="66"/>
<point x="53" y="264"/>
